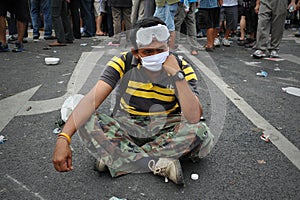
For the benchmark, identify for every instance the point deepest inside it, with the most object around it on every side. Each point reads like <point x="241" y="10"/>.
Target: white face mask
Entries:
<point x="154" y="63"/>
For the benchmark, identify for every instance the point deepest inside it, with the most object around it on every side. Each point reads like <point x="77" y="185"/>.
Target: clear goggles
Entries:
<point x="144" y="36"/>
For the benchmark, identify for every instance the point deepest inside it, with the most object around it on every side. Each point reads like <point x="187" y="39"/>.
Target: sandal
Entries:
<point x="101" y="34"/>
<point x="208" y="49"/>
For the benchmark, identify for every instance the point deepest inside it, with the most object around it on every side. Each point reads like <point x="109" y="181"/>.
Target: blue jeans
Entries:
<point x="36" y="7"/>
<point x="167" y="14"/>
<point x="87" y="14"/>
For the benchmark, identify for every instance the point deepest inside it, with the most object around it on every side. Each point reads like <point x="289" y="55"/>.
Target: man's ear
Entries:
<point x="135" y="53"/>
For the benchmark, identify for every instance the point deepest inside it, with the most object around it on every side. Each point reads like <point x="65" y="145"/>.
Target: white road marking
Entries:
<point x="281" y="142"/>
<point x="24" y="186"/>
<point x="10" y="106"/>
<point x="19" y="104"/>
<point x="291" y="58"/>
<point x="84" y="67"/>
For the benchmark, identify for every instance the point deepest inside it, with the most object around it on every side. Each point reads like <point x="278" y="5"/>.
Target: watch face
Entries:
<point x="180" y="76"/>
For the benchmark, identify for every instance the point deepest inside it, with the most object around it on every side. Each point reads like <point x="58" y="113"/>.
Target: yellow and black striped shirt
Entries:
<point x="143" y="97"/>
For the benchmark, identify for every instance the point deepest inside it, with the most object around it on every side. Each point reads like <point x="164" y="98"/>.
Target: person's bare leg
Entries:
<point x="2" y="30"/>
<point x="98" y="25"/>
<point x="172" y="40"/>
<point x="227" y="33"/>
<point x="243" y="27"/>
<point x="97" y="20"/>
<point x="21" y="30"/>
<point x="210" y="35"/>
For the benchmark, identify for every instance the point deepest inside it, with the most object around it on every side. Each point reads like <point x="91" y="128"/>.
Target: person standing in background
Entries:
<point x="149" y="8"/>
<point x="20" y="9"/>
<point x="99" y="6"/>
<point x="36" y="8"/>
<point x="271" y="19"/>
<point x="166" y="10"/>
<point x="186" y="13"/>
<point x="248" y="23"/>
<point x="209" y="11"/>
<point x="61" y="23"/>
<point x="120" y="8"/>
<point x="230" y="15"/>
<point x="138" y="10"/>
<point x="73" y="7"/>
<point x="87" y="14"/>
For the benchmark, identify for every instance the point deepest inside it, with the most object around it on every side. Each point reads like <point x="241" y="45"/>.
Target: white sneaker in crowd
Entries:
<point x="226" y="42"/>
<point x="259" y="54"/>
<point x="217" y="42"/>
<point x="274" y="54"/>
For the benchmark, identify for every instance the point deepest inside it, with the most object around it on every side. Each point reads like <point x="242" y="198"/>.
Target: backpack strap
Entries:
<point x="123" y="83"/>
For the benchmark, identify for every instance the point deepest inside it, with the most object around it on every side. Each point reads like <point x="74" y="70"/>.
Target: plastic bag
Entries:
<point x="69" y="105"/>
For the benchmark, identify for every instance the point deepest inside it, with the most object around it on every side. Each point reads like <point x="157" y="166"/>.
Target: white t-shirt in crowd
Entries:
<point x="230" y="2"/>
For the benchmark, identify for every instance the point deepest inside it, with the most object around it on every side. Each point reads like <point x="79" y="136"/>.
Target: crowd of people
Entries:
<point x="215" y="19"/>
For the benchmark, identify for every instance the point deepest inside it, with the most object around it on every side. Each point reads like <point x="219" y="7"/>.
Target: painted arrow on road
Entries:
<point x="19" y="104"/>
<point x="10" y="106"/>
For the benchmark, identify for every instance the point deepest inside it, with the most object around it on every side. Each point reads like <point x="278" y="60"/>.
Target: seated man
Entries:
<point x="158" y="117"/>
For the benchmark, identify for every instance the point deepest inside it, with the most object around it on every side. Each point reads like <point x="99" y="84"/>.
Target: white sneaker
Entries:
<point x="226" y="42"/>
<point x="274" y="54"/>
<point x="100" y="165"/>
<point x="217" y="42"/>
<point x="168" y="168"/>
<point x="259" y="54"/>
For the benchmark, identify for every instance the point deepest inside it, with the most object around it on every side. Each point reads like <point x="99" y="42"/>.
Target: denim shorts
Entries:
<point x="167" y="14"/>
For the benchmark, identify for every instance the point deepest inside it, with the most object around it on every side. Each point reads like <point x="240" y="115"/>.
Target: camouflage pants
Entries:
<point x="121" y="141"/>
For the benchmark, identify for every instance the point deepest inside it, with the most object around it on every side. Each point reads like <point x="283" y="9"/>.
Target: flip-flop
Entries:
<point x="56" y="44"/>
<point x="101" y="34"/>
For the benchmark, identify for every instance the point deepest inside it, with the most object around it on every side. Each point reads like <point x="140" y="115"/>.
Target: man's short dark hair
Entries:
<point x="143" y="23"/>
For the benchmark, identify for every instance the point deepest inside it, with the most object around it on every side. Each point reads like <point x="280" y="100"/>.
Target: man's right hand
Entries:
<point x="62" y="156"/>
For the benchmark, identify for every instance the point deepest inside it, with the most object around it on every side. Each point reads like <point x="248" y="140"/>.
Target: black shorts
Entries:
<point x="19" y="8"/>
<point x="251" y="17"/>
<point x="209" y="17"/>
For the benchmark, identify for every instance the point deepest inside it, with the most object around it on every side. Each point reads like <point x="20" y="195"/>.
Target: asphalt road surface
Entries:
<point x="239" y="107"/>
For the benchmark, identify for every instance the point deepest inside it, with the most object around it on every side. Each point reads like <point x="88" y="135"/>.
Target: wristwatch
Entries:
<point x="179" y="76"/>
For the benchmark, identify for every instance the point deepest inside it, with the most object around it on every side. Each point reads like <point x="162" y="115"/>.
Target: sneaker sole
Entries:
<point x="17" y="51"/>
<point x="179" y="173"/>
<point x="258" y="57"/>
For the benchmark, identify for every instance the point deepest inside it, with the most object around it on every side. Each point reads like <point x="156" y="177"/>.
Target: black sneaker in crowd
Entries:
<point x="18" y="48"/>
<point x="36" y="37"/>
<point x="12" y="38"/>
<point x="25" y="40"/>
<point x="4" y="48"/>
<point x="250" y="44"/>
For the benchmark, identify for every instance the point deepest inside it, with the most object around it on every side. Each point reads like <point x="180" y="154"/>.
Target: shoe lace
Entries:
<point x="157" y="170"/>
